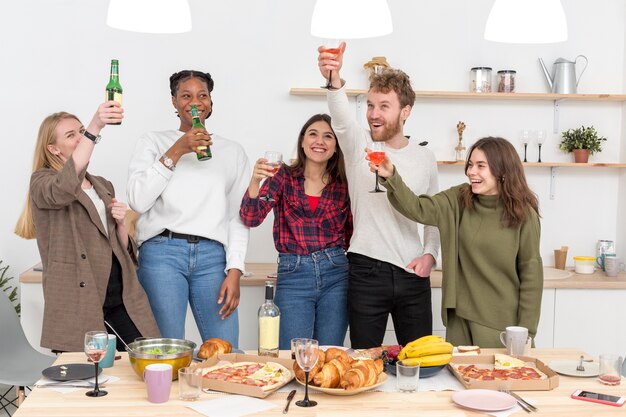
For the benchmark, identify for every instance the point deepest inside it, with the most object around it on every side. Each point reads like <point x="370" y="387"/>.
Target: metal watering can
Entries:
<point x="564" y="79"/>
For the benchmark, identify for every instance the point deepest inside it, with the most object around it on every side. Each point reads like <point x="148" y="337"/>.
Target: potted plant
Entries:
<point x="583" y="141"/>
<point x="9" y="290"/>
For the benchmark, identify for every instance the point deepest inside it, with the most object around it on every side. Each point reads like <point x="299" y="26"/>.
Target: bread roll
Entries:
<point x="214" y="346"/>
<point x="335" y="353"/>
<point x="330" y="374"/>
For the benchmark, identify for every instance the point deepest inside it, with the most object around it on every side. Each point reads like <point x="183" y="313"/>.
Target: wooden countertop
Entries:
<point x="128" y="397"/>
<point x="260" y="272"/>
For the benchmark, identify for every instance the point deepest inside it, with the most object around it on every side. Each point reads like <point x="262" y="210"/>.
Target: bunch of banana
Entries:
<point x="427" y="351"/>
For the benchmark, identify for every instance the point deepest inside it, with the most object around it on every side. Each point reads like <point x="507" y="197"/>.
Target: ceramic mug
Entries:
<point x="613" y="266"/>
<point x="109" y="358"/>
<point x="601" y="260"/>
<point x="158" y="378"/>
<point x="515" y="339"/>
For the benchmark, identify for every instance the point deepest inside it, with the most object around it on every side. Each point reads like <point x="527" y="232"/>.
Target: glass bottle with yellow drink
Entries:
<point x="269" y="323"/>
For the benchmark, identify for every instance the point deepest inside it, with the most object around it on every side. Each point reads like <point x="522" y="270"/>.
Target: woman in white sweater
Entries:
<point x="192" y="241"/>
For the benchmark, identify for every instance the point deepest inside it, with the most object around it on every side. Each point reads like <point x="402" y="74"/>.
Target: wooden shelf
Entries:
<point x="551" y="164"/>
<point x="477" y="96"/>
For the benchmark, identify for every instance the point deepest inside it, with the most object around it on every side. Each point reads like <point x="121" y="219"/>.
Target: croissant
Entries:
<point x="330" y="374"/>
<point x="214" y="346"/>
<point x="362" y="374"/>
<point x="299" y="373"/>
<point x="335" y="353"/>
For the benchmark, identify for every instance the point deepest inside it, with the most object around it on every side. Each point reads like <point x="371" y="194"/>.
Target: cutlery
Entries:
<point x="522" y="402"/>
<point x="75" y="385"/>
<point x="580" y="366"/>
<point x="289" y="398"/>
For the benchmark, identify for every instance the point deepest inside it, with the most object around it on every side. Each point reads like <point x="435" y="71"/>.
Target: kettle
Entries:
<point x="564" y="79"/>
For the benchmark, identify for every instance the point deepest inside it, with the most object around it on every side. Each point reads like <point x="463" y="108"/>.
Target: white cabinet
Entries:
<point x="593" y="320"/>
<point x="545" y="330"/>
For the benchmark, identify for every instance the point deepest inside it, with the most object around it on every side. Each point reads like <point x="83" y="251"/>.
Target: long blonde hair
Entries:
<point x="43" y="158"/>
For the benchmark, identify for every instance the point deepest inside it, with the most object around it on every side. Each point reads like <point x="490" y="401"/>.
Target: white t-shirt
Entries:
<point x="198" y="198"/>
<point x="97" y="201"/>
<point x="380" y="232"/>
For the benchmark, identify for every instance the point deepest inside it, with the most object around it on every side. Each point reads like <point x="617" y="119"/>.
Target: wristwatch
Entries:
<point x="91" y="136"/>
<point x="167" y="161"/>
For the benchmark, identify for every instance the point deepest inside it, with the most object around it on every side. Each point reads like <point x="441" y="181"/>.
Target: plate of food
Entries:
<point x="70" y="371"/>
<point x="382" y="378"/>
<point x="484" y="400"/>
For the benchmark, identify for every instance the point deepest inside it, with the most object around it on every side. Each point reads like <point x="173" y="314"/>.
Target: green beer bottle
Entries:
<point x="114" y="88"/>
<point x="195" y="122"/>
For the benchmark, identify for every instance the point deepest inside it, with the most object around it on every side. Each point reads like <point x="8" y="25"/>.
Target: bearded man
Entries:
<point x="389" y="265"/>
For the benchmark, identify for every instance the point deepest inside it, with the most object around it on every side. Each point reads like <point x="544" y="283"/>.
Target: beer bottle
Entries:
<point x="114" y="88"/>
<point x="195" y="122"/>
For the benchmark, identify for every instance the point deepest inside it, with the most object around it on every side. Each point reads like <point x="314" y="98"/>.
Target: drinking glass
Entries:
<point x="307" y="352"/>
<point x="541" y="139"/>
<point x="524" y="137"/>
<point x="96" y="345"/>
<point x="275" y="160"/>
<point x="376" y="154"/>
<point x="332" y="46"/>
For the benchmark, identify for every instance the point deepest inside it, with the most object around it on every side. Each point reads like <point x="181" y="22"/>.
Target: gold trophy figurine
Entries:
<point x="459" y="149"/>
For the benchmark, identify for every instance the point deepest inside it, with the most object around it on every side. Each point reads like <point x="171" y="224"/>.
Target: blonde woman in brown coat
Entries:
<point x="89" y="271"/>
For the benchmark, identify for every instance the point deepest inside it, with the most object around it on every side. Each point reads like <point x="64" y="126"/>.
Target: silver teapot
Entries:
<point x="564" y="80"/>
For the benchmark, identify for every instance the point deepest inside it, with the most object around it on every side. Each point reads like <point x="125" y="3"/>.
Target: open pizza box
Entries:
<point x="235" y="388"/>
<point x="487" y="361"/>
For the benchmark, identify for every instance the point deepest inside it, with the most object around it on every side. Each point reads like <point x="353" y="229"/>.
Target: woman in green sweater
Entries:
<point x="490" y="232"/>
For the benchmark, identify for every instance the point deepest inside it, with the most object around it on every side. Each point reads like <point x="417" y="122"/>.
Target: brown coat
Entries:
<point x="76" y="257"/>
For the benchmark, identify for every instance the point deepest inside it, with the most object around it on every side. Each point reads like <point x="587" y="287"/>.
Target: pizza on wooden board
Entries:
<point x="267" y="376"/>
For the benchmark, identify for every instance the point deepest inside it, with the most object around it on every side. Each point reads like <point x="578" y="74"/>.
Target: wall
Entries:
<point x="56" y="56"/>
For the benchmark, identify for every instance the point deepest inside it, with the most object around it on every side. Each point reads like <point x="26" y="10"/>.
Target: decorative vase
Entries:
<point x="581" y="155"/>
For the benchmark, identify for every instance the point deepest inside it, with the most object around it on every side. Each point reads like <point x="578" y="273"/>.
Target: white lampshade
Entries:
<point x="351" y="19"/>
<point x="150" y="16"/>
<point x="526" y="21"/>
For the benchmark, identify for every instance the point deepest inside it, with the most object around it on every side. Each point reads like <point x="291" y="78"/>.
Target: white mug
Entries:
<point x="613" y="266"/>
<point x="515" y="339"/>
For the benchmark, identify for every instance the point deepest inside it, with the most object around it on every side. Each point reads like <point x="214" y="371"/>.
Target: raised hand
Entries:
<point x="328" y="61"/>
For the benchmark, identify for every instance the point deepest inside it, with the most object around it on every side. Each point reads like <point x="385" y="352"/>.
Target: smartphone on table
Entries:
<point x="599" y="398"/>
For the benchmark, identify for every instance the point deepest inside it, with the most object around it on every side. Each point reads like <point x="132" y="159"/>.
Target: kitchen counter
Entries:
<point x="128" y="397"/>
<point x="260" y="271"/>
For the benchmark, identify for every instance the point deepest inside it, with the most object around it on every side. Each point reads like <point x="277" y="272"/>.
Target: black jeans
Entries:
<point x="377" y="288"/>
<point x="114" y="311"/>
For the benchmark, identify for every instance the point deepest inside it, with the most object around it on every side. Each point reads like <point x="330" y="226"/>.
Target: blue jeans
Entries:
<point x="312" y="295"/>
<point x="173" y="272"/>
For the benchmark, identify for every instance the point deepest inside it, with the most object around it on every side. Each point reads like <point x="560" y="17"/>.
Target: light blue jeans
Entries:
<point x="174" y="272"/>
<point x="312" y="295"/>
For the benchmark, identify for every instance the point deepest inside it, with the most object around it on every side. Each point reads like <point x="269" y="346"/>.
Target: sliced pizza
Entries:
<point x="507" y="362"/>
<point x="469" y="372"/>
<point x="266" y="376"/>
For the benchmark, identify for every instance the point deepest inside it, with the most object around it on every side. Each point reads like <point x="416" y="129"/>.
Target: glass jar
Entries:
<point x="506" y="81"/>
<point x="480" y="80"/>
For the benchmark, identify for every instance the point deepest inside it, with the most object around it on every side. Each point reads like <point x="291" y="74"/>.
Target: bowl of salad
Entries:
<point x="176" y="352"/>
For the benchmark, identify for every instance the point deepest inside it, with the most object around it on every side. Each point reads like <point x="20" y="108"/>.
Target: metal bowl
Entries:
<point x="175" y="352"/>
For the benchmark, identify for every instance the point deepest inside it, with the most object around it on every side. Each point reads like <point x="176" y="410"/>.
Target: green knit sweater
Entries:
<point x="492" y="274"/>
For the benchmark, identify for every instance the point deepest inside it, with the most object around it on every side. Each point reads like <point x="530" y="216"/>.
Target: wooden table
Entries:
<point x="128" y="397"/>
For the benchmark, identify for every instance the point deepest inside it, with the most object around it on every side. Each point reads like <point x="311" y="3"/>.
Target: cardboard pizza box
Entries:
<point x="234" y="388"/>
<point x="487" y="361"/>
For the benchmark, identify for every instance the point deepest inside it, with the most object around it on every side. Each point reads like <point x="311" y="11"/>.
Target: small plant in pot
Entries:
<point x="583" y="141"/>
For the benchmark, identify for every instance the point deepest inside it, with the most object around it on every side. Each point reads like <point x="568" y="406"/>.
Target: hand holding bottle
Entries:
<point x="109" y="112"/>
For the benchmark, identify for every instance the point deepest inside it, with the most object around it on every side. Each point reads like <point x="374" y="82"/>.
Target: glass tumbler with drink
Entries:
<point x="274" y="160"/>
<point x="307" y="352"/>
<point x="376" y="155"/>
<point x="96" y="346"/>
<point x="610" y="369"/>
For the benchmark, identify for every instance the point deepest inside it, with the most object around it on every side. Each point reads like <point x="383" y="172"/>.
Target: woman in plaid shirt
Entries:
<point x="312" y="229"/>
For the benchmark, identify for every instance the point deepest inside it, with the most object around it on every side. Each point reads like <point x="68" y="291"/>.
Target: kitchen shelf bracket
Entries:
<point x="361" y="107"/>
<point x="555" y="122"/>
<point x="552" y="183"/>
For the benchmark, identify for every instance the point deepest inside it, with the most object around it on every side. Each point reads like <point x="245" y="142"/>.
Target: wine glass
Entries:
<point x="541" y="139"/>
<point x="307" y="352"/>
<point x="96" y="345"/>
<point x="275" y="160"/>
<point x="524" y="137"/>
<point x="376" y="155"/>
<point x="332" y="46"/>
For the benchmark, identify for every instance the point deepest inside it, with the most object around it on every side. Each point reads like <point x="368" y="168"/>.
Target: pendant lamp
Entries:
<point x="526" y="21"/>
<point x="150" y="16"/>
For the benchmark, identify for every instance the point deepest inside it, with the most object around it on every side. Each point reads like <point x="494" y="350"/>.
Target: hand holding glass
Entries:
<point x="275" y="160"/>
<point x="331" y="47"/>
<point x="96" y="345"/>
<point x="307" y="352"/>
<point x="376" y="155"/>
